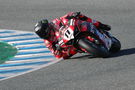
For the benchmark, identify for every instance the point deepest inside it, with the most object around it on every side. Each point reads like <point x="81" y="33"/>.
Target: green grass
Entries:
<point x="7" y="51"/>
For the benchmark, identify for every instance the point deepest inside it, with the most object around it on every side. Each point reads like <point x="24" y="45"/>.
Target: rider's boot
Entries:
<point x="104" y="27"/>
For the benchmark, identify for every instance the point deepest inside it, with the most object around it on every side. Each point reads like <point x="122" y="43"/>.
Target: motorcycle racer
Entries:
<point x="49" y="31"/>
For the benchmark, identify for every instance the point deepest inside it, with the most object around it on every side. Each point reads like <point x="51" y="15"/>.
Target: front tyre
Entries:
<point x="92" y="48"/>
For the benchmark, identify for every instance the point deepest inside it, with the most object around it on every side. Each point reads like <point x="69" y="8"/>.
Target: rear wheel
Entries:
<point x="92" y="48"/>
<point x="116" y="46"/>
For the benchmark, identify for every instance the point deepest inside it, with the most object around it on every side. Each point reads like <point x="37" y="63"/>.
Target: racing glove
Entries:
<point x="56" y="46"/>
<point x="104" y="27"/>
<point x="57" y="50"/>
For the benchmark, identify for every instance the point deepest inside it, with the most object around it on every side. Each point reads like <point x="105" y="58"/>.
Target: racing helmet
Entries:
<point x="42" y="29"/>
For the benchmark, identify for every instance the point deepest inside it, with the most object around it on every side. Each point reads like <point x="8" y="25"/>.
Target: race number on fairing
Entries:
<point x="69" y="34"/>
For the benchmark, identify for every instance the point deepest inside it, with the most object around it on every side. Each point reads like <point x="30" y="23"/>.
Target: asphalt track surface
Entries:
<point x="79" y="73"/>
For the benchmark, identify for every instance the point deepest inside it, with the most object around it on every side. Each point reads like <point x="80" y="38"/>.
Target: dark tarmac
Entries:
<point x="80" y="73"/>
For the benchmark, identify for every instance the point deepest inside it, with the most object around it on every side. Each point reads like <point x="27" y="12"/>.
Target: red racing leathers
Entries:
<point x="52" y="41"/>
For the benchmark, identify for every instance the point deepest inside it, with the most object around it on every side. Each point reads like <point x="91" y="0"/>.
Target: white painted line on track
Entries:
<point x="18" y="67"/>
<point x="13" y="42"/>
<point x="32" y="53"/>
<point x="21" y="37"/>
<point x="30" y="45"/>
<point x="35" y="50"/>
<point x="25" y="61"/>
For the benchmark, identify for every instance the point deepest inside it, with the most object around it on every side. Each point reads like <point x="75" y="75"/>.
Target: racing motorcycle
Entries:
<point x="98" y="43"/>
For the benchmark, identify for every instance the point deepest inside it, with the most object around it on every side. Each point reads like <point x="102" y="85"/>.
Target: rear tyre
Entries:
<point x="116" y="45"/>
<point x="92" y="48"/>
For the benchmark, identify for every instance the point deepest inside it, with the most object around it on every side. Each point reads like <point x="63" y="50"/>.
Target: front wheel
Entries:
<point x="92" y="48"/>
